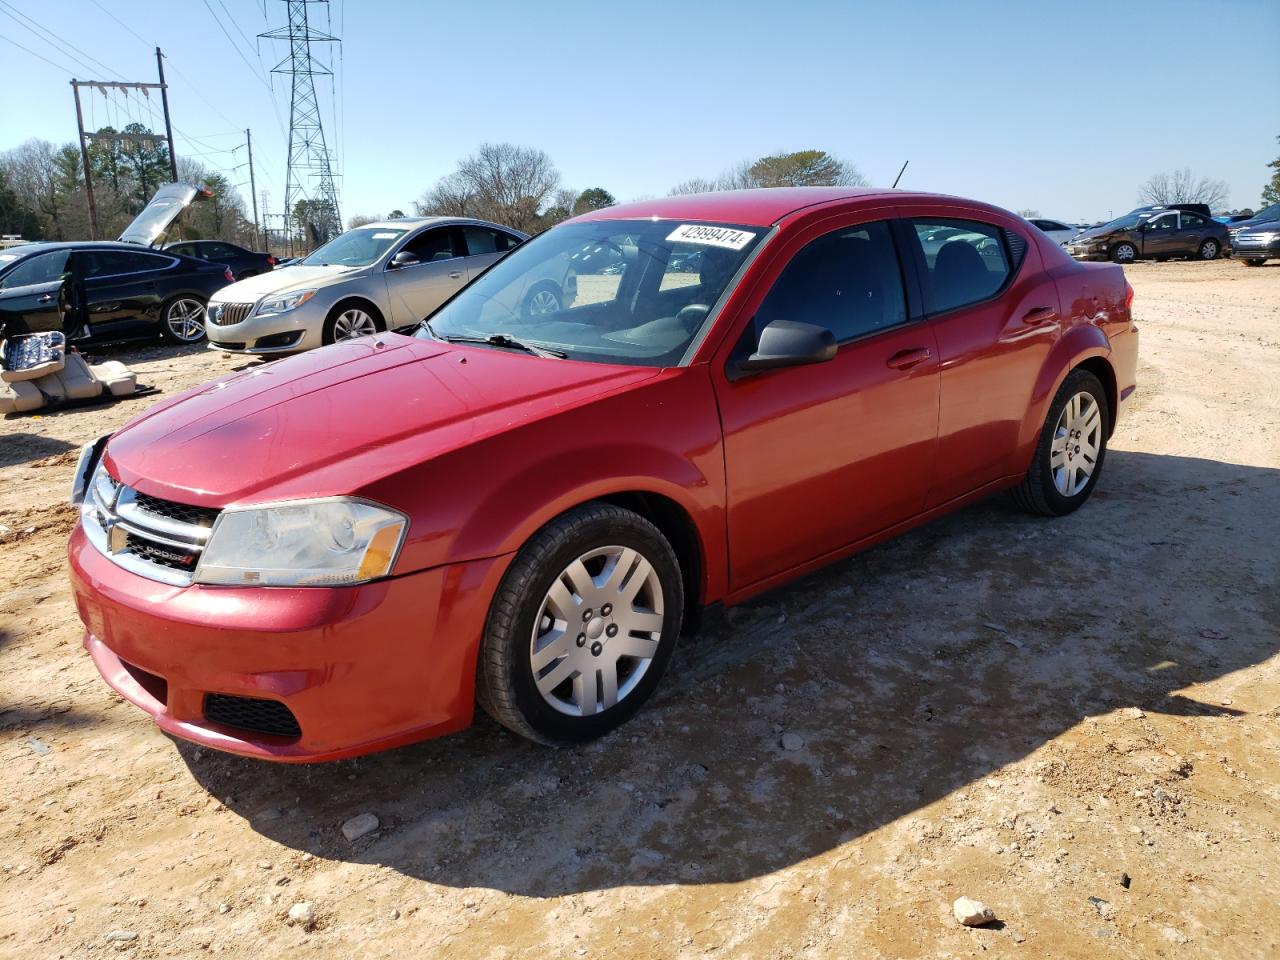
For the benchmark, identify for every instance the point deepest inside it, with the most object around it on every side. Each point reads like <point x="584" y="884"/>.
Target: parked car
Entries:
<point x="1267" y="215"/>
<point x="1256" y="245"/>
<point x="243" y="263"/>
<point x="108" y="290"/>
<point x="346" y="550"/>
<point x="1200" y="208"/>
<point x="1151" y="235"/>
<point x="1056" y="230"/>
<point x="377" y="277"/>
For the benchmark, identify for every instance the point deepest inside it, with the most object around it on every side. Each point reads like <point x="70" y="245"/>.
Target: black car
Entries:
<point x="243" y="263"/>
<point x="1152" y="234"/>
<point x="1257" y="244"/>
<point x="1269" y="215"/>
<point x="109" y="290"/>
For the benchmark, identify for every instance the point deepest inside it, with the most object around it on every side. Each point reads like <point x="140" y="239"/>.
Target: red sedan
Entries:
<point x="344" y="551"/>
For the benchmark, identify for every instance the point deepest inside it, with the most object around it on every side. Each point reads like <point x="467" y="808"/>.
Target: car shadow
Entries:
<point x="17" y="448"/>
<point x="835" y="706"/>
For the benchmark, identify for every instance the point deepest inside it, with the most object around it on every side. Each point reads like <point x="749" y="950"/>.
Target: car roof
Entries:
<point x="758" y="208"/>
<point x="43" y="246"/>
<point x="412" y="223"/>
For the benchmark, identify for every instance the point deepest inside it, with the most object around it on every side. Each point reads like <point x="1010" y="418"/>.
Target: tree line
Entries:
<point x="42" y="190"/>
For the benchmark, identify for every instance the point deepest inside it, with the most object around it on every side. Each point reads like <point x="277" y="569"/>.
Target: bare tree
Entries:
<point x="696" y="185"/>
<point x="360" y="219"/>
<point x="804" y="168"/>
<point x="1028" y="213"/>
<point x="502" y="182"/>
<point x="35" y="177"/>
<point x="1182" y="186"/>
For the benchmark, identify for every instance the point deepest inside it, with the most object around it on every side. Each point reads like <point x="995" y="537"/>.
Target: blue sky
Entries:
<point x="1065" y="107"/>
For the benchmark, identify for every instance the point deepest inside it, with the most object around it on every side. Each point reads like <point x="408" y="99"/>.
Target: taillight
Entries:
<point x="231" y="277"/>
<point x="1128" y="295"/>
<point x="271" y="260"/>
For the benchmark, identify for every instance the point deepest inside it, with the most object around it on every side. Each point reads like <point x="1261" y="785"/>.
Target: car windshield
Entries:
<point x="355" y="248"/>
<point x="1127" y="222"/>
<point x="1271" y="212"/>
<point x="614" y="291"/>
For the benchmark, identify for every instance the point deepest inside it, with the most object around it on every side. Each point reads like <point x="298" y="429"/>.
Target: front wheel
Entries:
<point x="182" y="320"/>
<point x="1209" y="250"/>
<point x="1073" y="443"/>
<point x="349" y="320"/>
<point x="581" y="627"/>
<point x="543" y="299"/>
<point x="1124" y="253"/>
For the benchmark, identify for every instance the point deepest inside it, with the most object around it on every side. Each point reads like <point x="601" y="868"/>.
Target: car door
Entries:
<point x="1160" y="235"/>
<point x="994" y="314"/>
<point x="485" y="247"/>
<point x="820" y="456"/>
<point x="1192" y="228"/>
<point x="415" y="290"/>
<point x="31" y="293"/>
<point x="121" y="287"/>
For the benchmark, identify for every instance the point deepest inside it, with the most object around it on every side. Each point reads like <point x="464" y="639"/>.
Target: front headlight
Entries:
<point x="90" y="456"/>
<point x="285" y="302"/>
<point x="335" y="542"/>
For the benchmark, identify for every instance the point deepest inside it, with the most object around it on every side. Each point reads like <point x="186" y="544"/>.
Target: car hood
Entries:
<point x="158" y="215"/>
<point x="1096" y="233"/>
<point x="336" y="420"/>
<point x="283" y="280"/>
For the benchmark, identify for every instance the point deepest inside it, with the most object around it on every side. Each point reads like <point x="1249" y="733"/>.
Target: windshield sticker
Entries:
<point x="8" y="256"/>
<point x="386" y="236"/>
<point x="711" y="236"/>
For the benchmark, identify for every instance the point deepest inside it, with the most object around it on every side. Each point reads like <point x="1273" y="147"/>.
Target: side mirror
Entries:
<point x="403" y="259"/>
<point x="790" y="343"/>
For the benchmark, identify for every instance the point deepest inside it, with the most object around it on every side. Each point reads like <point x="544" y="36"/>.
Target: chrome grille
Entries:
<point x="154" y="538"/>
<point x="226" y="314"/>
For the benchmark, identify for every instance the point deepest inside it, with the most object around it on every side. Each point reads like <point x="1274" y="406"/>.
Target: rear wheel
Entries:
<point x="182" y="320"/>
<point x="1073" y="443"/>
<point x="581" y="627"/>
<point x="1209" y="250"/>
<point x="1124" y="253"/>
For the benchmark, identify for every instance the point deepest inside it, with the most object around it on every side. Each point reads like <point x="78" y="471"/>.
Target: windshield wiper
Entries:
<point x="501" y="340"/>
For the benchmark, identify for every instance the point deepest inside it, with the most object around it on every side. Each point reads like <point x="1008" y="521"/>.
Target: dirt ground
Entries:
<point x="1008" y="708"/>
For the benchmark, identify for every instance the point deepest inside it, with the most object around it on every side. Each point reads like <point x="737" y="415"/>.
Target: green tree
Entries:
<point x="593" y="198"/>
<point x="395" y="214"/>
<point x="15" y="217"/>
<point x="1271" y="192"/>
<point x="804" y="168"/>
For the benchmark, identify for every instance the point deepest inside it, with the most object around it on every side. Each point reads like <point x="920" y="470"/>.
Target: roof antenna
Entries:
<point x="899" y="176"/>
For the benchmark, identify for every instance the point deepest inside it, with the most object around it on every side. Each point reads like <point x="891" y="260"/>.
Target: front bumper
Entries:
<point x="1084" y="253"/>
<point x="291" y="332"/>
<point x="1256" y="251"/>
<point x="360" y="668"/>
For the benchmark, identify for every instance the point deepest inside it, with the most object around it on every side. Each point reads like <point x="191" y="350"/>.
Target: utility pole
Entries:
<point x="85" y="137"/>
<point x="253" y="190"/>
<point x="84" y="158"/>
<point x="168" y="127"/>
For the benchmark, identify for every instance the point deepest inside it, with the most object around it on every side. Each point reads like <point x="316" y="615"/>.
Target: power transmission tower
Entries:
<point x="309" y="162"/>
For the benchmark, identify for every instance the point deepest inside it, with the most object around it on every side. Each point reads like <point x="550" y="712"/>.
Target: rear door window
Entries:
<point x="849" y="281"/>
<point x="482" y="240"/>
<point x="965" y="261"/>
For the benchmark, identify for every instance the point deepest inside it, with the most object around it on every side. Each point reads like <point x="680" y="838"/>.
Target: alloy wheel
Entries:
<point x="1125" y="253"/>
<point x="543" y="302"/>
<point x="597" y="631"/>
<point x="185" y="319"/>
<point x="1209" y="250"/>
<point x="353" y="323"/>
<point x="1077" y="441"/>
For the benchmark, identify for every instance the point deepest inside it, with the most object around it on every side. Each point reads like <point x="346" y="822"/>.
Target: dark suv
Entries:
<point x="1152" y="233"/>
<point x="242" y="263"/>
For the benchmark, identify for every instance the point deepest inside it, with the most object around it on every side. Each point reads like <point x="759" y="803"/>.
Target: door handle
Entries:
<point x="44" y="298"/>
<point x="454" y="274"/>
<point x="906" y="359"/>
<point x="1040" y="315"/>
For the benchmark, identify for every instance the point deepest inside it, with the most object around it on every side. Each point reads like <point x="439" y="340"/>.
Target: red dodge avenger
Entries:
<point x="523" y="503"/>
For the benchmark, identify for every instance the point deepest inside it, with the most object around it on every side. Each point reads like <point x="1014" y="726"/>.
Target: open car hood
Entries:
<point x="165" y="207"/>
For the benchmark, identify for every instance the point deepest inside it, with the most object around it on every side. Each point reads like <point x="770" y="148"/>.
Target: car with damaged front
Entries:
<point x="349" y="549"/>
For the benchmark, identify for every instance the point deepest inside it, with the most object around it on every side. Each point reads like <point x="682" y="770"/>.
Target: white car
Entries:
<point x="1057" y="231"/>
<point x="383" y="276"/>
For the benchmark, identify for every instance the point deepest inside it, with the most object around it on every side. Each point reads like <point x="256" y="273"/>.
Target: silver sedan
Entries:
<point x="383" y="276"/>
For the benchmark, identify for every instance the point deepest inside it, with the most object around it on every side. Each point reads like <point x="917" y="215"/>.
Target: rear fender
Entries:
<point x="1075" y="346"/>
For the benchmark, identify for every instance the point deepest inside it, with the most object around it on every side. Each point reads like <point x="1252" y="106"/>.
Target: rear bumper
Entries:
<point x="360" y="668"/>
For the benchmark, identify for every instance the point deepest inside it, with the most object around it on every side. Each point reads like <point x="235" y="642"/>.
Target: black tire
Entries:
<point x="330" y="322"/>
<point x="1254" y="262"/>
<point x="1038" y="493"/>
<point x="167" y="310"/>
<point x="505" y="682"/>
<point x="1209" y="250"/>
<point x="537" y="300"/>
<point x="1119" y="256"/>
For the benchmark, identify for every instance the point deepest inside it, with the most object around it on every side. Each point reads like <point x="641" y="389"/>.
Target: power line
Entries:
<point x="52" y="43"/>
<point x="37" y="56"/>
